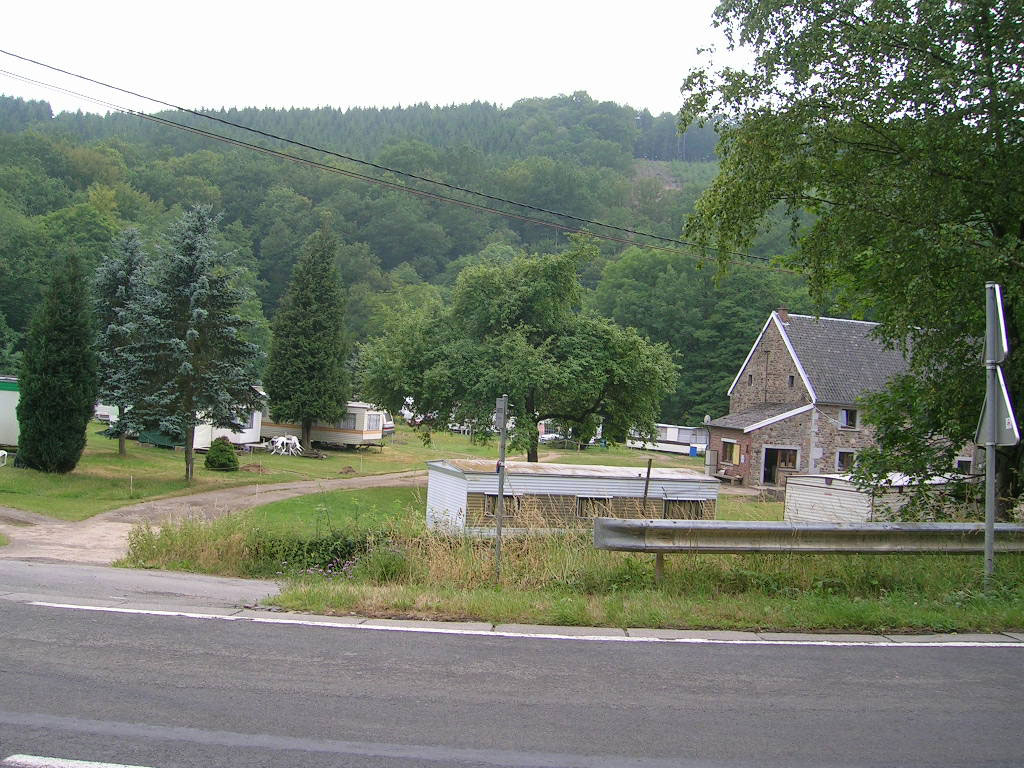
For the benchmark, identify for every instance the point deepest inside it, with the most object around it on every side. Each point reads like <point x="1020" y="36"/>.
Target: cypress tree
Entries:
<point x="118" y="286"/>
<point x="191" y="365"/>
<point x="58" y="376"/>
<point x="307" y="379"/>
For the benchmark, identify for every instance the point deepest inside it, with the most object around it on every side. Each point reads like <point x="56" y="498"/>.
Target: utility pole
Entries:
<point x="500" y="419"/>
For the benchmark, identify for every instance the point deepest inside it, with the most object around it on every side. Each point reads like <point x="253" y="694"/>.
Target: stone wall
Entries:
<point x="765" y="377"/>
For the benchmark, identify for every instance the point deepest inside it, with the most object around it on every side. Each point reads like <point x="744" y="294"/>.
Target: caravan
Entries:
<point x="363" y="424"/>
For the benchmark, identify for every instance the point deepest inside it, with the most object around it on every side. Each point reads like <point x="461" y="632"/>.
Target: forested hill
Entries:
<point x="72" y="182"/>
<point x="576" y="126"/>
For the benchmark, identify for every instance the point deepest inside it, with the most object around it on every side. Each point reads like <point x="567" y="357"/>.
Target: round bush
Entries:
<point x="222" y="456"/>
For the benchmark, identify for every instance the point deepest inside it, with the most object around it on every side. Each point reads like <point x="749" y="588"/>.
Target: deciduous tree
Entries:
<point x="899" y="126"/>
<point x="516" y="328"/>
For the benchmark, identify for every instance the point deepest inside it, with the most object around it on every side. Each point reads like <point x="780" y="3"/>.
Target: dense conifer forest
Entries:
<point x="71" y="182"/>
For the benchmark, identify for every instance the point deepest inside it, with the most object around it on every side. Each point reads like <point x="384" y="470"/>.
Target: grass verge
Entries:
<point x="367" y="553"/>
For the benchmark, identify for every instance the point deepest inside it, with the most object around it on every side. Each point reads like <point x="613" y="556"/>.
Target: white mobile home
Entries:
<point x="462" y="494"/>
<point x="246" y="433"/>
<point x="835" y="499"/>
<point x="363" y="424"/>
<point x="8" y="412"/>
<point x="673" y="438"/>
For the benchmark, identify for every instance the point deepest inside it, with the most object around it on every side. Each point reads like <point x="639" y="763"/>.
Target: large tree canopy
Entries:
<point x="899" y="126"/>
<point x="191" y="364"/>
<point x="515" y="327"/>
<point x="709" y="320"/>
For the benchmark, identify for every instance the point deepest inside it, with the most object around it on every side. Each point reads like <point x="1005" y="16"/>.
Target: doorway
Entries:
<point x="774" y="460"/>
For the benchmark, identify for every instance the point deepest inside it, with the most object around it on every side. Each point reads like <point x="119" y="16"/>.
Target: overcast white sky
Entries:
<point x="342" y="54"/>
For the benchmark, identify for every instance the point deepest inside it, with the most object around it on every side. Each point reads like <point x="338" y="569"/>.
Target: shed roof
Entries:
<point x="528" y="468"/>
<point x="842" y="359"/>
<point x="752" y="416"/>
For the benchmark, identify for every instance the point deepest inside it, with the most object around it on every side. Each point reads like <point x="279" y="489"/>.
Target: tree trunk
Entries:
<point x="531" y="414"/>
<point x="307" y="435"/>
<point x="190" y="436"/>
<point x="122" y="445"/>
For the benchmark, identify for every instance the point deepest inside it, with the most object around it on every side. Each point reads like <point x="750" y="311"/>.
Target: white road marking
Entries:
<point x="35" y="761"/>
<point x="881" y="643"/>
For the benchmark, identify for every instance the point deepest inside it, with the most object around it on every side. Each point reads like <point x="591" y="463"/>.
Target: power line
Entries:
<point x="441" y="198"/>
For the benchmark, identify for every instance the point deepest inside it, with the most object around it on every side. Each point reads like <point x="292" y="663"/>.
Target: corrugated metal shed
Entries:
<point x="452" y="481"/>
<point x="835" y="499"/>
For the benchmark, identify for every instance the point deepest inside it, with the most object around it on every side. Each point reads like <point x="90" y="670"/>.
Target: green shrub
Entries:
<point x="222" y="456"/>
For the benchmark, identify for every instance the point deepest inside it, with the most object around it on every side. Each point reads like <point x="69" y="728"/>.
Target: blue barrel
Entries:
<point x="693" y="450"/>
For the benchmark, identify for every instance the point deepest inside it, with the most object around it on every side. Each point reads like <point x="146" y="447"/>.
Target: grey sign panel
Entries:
<point x="1007" y="431"/>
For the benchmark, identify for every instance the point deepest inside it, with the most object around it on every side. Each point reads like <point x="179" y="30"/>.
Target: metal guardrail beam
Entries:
<point x="728" y="536"/>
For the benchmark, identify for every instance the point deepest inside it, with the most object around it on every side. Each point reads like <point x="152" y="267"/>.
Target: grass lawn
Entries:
<point x="103" y="480"/>
<point x="4" y="541"/>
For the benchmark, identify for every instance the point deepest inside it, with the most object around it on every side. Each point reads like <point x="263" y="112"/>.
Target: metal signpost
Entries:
<point x="997" y="427"/>
<point x="500" y="419"/>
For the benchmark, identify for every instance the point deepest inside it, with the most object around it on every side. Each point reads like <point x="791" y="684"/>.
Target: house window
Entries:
<point x="848" y="418"/>
<point x="349" y="422"/>
<point x="750" y="379"/>
<point x="730" y="452"/>
<point x="963" y="466"/>
<point x="792" y="381"/>
<point x="372" y="422"/>
<point x="844" y="461"/>
<point x="511" y="506"/>
<point x="591" y="507"/>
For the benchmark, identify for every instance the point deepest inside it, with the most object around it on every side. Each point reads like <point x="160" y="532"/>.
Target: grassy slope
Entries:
<point x="564" y="580"/>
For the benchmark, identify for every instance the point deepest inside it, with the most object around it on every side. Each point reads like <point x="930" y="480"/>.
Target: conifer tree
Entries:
<point x="191" y="364"/>
<point x="117" y="287"/>
<point x="58" y="376"/>
<point x="307" y="379"/>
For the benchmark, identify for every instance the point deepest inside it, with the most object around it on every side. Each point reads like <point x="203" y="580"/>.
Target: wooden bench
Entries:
<point x="733" y="479"/>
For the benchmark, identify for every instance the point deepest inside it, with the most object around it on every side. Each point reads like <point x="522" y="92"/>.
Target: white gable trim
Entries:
<point x="780" y="417"/>
<point x="750" y="354"/>
<point x="792" y="353"/>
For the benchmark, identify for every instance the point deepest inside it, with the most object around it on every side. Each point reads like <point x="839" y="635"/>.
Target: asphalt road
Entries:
<point x="167" y="691"/>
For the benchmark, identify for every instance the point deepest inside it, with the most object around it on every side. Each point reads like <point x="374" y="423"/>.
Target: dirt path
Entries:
<point x="103" y="538"/>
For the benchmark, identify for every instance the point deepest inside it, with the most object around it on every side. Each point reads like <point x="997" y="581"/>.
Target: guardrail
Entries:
<point x="635" y="535"/>
<point x="728" y="536"/>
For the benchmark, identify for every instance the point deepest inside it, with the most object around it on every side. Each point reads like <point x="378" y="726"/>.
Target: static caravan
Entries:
<point x="462" y="494"/>
<point x="673" y="438"/>
<point x="363" y="424"/>
<point x="246" y="433"/>
<point x="8" y="411"/>
<point x="835" y="499"/>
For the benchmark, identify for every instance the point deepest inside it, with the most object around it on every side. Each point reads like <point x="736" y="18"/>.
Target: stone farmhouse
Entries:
<point x="793" y="406"/>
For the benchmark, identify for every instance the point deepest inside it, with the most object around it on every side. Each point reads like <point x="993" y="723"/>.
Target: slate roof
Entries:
<point x="841" y="358"/>
<point x="744" y="419"/>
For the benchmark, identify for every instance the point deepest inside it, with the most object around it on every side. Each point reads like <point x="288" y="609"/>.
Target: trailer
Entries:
<point x="363" y="424"/>
<point x="8" y="411"/>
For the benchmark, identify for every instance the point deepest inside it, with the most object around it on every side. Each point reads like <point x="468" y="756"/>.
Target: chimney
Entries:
<point x="783" y="314"/>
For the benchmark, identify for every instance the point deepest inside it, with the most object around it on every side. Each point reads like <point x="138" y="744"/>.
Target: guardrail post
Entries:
<point x="659" y="568"/>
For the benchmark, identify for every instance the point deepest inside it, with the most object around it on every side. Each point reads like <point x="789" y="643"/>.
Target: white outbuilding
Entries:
<point x="8" y="410"/>
<point x="835" y="499"/>
<point x="462" y="494"/>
